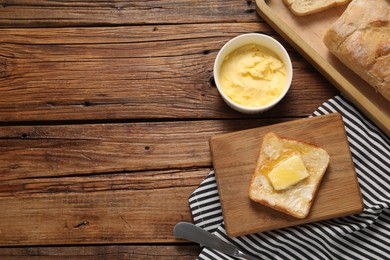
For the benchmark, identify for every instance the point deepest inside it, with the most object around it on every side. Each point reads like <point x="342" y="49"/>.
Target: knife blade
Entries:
<point x="196" y="234"/>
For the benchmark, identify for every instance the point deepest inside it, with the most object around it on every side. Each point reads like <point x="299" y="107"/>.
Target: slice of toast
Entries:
<point x="295" y="200"/>
<point x="306" y="7"/>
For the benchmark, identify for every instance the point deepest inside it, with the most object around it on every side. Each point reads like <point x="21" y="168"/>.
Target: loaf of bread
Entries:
<point x="306" y="7"/>
<point x="287" y="175"/>
<point x="360" y="38"/>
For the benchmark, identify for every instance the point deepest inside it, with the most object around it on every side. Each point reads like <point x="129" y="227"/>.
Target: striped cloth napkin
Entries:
<point x="362" y="236"/>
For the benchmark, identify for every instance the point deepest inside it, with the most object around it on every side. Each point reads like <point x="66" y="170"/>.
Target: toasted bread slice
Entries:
<point x="306" y="7"/>
<point x="295" y="199"/>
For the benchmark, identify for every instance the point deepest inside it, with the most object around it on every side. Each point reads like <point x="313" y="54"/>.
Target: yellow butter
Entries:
<point x="288" y="173"/>
<point x="253" y="76"/>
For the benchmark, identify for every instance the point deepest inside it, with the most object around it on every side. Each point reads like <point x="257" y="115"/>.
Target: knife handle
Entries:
<point x="196" y="234"/>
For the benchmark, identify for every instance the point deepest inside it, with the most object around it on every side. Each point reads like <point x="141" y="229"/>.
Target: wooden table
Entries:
<point x="106" y="109"/>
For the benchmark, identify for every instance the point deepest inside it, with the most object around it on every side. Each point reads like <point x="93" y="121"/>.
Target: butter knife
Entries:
<point x="196" y="234"/>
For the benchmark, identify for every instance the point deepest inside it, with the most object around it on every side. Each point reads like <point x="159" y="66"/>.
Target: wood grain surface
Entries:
<point x="129" y="73"/>
<point x="234" y="158"/>
<point x="102" y="210"/>
<point x="179" y="251"/>
<point x="38" y="13"/>
<point x="106" y="109"/>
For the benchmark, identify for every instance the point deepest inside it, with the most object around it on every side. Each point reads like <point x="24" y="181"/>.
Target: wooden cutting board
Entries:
<point x="234" y="157"/>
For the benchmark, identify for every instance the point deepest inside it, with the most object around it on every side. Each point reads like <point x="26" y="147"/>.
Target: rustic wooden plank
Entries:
<point x="45" y="13"/>
<point x="189" y="252"/>
<point x="137" y="207"/>
<point x="128" y="34"/>
<point x="131" y="73"/>
<point x="130" y="181"/>
<point x="64" y="150"/>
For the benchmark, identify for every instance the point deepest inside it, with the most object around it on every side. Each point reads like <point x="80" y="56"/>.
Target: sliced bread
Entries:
<point x="287" y="175"/>
<point x="306" y="7"/>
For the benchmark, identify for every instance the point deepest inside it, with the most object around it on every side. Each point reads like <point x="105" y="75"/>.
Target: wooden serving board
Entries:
<point x="234" y="158"/>
<point x="306" y="34"/>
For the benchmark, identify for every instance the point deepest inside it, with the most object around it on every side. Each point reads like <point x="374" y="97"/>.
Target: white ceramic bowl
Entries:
<point x="258" y="39"/>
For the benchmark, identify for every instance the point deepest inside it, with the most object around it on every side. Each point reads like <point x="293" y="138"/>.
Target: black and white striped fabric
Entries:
<point x="362" y="236"/>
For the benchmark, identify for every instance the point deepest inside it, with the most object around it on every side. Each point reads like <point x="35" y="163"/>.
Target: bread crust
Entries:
<point x="282" y="209"/>
<point x="360" y="38"/>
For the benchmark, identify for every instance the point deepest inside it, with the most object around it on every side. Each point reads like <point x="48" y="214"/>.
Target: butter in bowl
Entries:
<point x="252" y="72"/>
